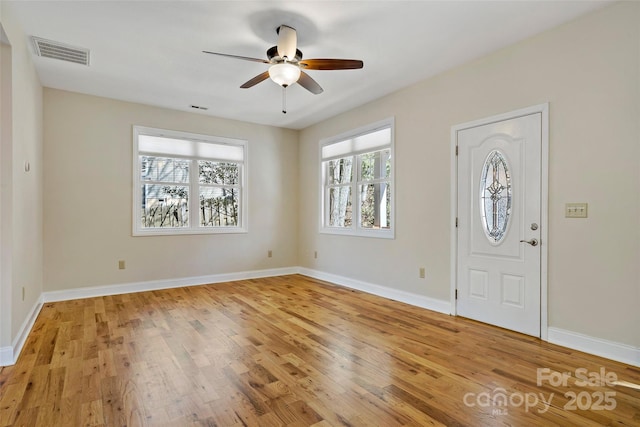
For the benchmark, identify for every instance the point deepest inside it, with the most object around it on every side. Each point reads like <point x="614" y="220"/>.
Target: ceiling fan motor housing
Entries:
<point x="272" y="53"/>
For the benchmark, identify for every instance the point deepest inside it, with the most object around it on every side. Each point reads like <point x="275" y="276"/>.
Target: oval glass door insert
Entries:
<point x="495" y="196"/>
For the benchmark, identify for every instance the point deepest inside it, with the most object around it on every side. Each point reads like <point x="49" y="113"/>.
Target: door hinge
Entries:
<point x="456" y="150"/>
<point x="456" y="294"/>
<point x="456" y="222"/>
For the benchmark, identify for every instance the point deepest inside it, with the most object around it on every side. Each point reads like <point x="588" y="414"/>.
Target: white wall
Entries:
<point x="589" y="72"/>
<point x="22" y="230"/>
<point x="88" y="196"/>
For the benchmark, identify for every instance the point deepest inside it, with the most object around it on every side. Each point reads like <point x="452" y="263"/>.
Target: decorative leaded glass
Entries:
<point x="495" y="196"/>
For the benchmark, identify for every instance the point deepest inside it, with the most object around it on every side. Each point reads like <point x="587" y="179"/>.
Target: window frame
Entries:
<point x="194" y="184"/>
<point x="356" y="229"/>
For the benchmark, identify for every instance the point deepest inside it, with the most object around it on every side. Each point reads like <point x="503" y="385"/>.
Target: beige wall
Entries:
<point x="22" y="230"/>
<point x="88" y="197"/>
<point x="5" y="194"/>
<point x="588" y="70"/>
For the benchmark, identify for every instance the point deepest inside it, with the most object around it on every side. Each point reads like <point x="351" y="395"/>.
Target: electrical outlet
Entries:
<point x="121" y="265"/>
<point x="269" y="254"/>
<point x="423" y="273"/>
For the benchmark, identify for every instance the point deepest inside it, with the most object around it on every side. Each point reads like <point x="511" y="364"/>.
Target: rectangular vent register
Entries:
<point x="56" y="50"/>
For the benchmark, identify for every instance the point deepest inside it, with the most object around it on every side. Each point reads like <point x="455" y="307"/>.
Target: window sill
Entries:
<point x="178" y="232"/>
<point x="372" y="233"/>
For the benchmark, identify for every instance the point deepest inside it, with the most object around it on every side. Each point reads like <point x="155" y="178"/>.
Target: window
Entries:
<point x="357" y="182"/>
<point x="187" y="183"/>
<point x="495" y="196"/>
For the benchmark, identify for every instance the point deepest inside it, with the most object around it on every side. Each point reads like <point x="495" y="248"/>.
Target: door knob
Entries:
<point x="532" y="242"/>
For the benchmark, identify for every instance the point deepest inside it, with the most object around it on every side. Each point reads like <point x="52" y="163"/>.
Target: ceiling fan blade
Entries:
<point x="309" y="84"/>
<point x="244" y="58"/>
<point x="257" y="79"/>
<point x="331" y="64"/>
<point x="287" y="42"/>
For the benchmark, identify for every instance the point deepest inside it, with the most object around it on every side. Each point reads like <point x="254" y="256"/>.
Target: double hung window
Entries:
<point x="188" y="183"/>
<point x="357" y="182"/>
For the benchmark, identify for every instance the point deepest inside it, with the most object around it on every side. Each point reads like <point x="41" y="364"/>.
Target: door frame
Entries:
<point x="543" y="109"/>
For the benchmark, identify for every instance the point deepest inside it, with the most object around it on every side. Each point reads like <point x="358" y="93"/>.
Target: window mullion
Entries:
<point x="355" y="210"/>
<point x="355" y="222"/>
<point x="194" y="199"/>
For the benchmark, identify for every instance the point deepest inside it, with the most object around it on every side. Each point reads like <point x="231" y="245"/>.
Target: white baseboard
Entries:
<point x="600" y="347"/>
<point x="608" y="349"/>
<point x="6" y="356"/>
<point x="9" y="354"/>
<point x="153" y="285"/>
<point x="422" y="301"/>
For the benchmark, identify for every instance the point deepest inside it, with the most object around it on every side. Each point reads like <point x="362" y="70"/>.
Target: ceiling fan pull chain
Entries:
<point x="284" y="100"/>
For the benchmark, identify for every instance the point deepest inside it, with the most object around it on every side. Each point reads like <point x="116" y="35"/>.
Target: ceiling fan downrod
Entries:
<point x="284" y="99"/>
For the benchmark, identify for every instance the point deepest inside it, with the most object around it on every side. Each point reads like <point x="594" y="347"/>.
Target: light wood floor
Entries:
<point x="291" y="351"/>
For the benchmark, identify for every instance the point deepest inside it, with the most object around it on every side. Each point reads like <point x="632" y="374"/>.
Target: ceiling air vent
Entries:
<point x="63" y="52"/>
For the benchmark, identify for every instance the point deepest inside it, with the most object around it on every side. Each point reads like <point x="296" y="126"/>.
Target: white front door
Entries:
<point x="499" y="223"/>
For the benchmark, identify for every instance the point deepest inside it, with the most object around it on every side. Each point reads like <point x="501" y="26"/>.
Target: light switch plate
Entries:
<point x="575" y="210"/>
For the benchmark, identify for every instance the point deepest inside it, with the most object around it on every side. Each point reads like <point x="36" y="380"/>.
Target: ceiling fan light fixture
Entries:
<point x="284" y="74"/>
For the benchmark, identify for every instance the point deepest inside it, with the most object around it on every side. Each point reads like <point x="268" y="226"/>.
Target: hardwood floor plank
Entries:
<point x="92" y="414"/>
<point x="293" y="351"/>
<point x="11" y="398"/>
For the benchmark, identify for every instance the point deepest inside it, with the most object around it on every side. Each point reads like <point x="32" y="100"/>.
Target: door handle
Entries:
<point x="532" y="242"/>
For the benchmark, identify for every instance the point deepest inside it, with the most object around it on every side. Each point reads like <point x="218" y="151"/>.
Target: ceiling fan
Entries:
<point x="287" y="66"/>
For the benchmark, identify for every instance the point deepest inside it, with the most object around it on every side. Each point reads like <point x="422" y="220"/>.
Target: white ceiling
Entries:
<point x="150" y="51"/>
